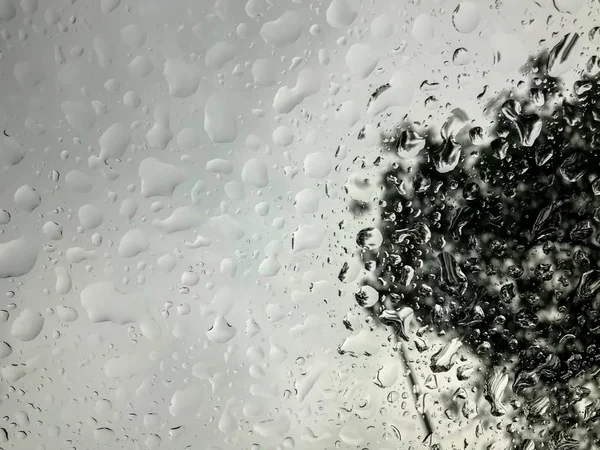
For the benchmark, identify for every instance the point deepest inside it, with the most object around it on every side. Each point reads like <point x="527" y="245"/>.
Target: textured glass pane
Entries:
<point x="288" y="224"/>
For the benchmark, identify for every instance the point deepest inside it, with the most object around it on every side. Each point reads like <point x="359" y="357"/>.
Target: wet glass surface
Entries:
<point x="299" y="225"/>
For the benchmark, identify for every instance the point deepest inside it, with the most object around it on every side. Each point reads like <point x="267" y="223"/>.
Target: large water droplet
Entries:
<point x="466" y="17"/>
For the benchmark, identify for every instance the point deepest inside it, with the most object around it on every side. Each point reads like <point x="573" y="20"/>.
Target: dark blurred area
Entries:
<point x="492" y="237"/>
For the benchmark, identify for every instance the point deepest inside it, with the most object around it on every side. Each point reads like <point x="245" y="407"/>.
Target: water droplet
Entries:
<point x="28" y="325"/>
<point x="443" y="359"/>
<point x="466" y="17"/>
<point x="568" y="6"/>
<point x="461" y="56"/>
<point x="529" y="126"/>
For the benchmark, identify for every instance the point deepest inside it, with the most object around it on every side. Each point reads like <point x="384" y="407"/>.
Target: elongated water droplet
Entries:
<point x="443" y="359"/>
<point x="495" y="386"/>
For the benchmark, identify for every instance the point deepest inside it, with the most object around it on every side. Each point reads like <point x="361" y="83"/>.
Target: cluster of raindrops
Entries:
<point x="488" y="239"/>
<point x="174" y="181"/>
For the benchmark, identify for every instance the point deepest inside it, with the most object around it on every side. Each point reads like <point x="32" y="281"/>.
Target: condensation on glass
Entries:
<point x="299" y="224"/>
